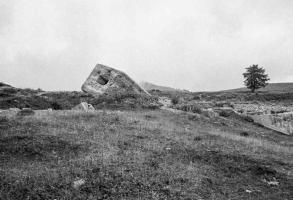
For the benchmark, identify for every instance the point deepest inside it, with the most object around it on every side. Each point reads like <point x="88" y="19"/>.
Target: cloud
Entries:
<point x="191" y="44"/>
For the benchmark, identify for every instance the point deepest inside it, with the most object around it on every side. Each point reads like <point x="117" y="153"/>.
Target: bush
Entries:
<point x="244" y="134"/>
<point x="225" y="113"/>
<point x="188" y="108"/>
<point x="56" y="106"/>
<point x="175" y="100"/>
<point x="197" y="138"/>
<point x="224" y="104"/>
<point x="3" y="119"/>
<point x="196" y="109"/>
<point x="247" y="118"/>
<point x="26" y="112"/>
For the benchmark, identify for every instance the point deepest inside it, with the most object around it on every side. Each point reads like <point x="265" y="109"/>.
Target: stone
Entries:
<point x="83" y="106"/>
<point x="209" y="113"/>
<point x="76" y="184"/>
<point x="165" y="101"/>
<point x="106" y="80"/>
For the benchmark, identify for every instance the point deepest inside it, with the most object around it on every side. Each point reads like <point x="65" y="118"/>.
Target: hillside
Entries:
<point x="150" y="86"/>
<point x="270" y="88"/>
<point x="11" y="97"/>
<point x="141" y="155"/>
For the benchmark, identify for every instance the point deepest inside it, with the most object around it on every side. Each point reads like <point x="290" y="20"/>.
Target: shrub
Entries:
<point x="56" y="106"/>
<point x="3" y="120"/>
<point x="175" y="100"/>
<point x="188" y="108"/>
<point x="244" y="134"/>
<point x="26" y="112"/>
<point x="247" y="118"/>
<point x="196" y="109"/>
<point x="196" y="97"/>
<point x="193" y="117"/>
<point x="197" y="138"/>
<point x="225" y="113"/>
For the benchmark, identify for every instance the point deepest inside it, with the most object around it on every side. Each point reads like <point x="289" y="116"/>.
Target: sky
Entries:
<point x="198" y="45"/>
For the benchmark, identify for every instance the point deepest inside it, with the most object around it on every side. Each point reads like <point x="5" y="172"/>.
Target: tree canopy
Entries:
<point x="255" y="77"/>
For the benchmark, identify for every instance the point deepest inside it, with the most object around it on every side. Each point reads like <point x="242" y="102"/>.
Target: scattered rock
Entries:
<point x="78" y="183"/>
<point x="273" y="183"/>
<point x="83" y="106"/>
<point x="248" y="191"/>
<point x="165" y="101"/>
<point x="209" y="113"/>
<point x="105" y="80"/>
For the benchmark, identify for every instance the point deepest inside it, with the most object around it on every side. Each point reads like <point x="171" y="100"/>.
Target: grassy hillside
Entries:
<point x="141" y="155"/>
<point x="11" y="97"/>
<point x="271" y="88"/>
<point x="150" y="86"/>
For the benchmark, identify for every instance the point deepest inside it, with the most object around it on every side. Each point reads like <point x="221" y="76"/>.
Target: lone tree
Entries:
<point x="255" y="78"/>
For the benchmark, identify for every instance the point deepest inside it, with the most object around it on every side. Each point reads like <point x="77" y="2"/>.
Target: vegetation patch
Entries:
<point x="140" y="155"/>
<point x="37" y="147"/>
<point x="26" y="112"/>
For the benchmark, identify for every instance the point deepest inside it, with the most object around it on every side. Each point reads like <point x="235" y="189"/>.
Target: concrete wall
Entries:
<point x="282" y="123"/>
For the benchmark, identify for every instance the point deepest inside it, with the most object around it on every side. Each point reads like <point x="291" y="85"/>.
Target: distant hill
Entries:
<point x="151" y="86"/>
<point x="271" y="87"/>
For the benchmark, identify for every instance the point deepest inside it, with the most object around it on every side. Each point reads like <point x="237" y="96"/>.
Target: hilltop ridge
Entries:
<point x="151" y="86"/>
<point x="271" y="87"/>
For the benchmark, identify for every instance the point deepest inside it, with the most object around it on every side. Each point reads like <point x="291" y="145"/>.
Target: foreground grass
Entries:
<point x="141" y="155"/>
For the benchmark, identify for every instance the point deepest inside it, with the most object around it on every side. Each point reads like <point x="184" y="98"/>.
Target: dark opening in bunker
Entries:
<point x="102" y="80"/>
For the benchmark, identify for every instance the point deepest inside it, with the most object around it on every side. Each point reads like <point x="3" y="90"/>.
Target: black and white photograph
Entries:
<point x="146" y="99"/>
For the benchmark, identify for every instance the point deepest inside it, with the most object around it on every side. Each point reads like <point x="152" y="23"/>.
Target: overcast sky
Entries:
<point x="191" y="44"/>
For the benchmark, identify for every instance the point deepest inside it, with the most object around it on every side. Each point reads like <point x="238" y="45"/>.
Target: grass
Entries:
<point x="11" y="97"/>
<point x="141" y="155"/>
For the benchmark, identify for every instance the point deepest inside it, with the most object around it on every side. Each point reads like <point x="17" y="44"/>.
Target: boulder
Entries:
<point x="106" y="80"/>
<point x="83" y="106"/>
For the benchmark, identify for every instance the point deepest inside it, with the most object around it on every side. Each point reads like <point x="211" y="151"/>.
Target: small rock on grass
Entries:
<point x="78" y="183"/>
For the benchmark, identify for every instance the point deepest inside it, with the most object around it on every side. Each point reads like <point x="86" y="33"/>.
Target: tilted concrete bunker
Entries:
<point x="105" y="80"/>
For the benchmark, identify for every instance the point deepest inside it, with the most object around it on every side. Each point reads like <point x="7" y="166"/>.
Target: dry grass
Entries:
<point x="138" y="155"/>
